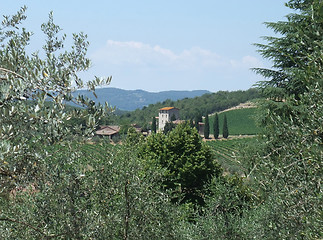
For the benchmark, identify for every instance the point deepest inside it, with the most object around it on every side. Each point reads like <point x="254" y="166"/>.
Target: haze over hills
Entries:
<point x="130" y="100"/>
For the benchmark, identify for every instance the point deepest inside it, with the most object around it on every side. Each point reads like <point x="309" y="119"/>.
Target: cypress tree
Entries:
<point x="225" y="131"/>
<point x="153" y="125"/>
<point x="206" y="127"/>
<point x="198" y="118"/>
<point x="216" y="126"/>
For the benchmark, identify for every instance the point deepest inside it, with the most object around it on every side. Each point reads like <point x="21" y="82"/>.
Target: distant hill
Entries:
<point x="130" y="100"/>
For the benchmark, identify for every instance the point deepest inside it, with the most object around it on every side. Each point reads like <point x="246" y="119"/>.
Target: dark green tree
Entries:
<point x="288" y="165"/>
<point x="225" y="130"/>
<point x="173" y="117"/>
<point x="197" y="120"/>
<point x="206" y="126"/>
<point x="299" y="45"/>
<point x="133" y="137"/>
<point x="188" y="161"/>
<point x="169" y="126"/>
<point x="216" y="126"/>
<point x="153" y="125"/>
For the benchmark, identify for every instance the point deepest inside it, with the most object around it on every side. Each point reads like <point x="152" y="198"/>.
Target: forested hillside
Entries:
<point x="129" y="100"/>
<point x="190" y="108"/>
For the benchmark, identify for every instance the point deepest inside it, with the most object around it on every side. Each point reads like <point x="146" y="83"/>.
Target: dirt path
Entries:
<point x="240" y="106"/>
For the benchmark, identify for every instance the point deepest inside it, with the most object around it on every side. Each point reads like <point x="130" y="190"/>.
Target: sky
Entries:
<point x="163" y="45"/>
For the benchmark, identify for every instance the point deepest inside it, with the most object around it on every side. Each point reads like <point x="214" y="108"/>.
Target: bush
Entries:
<point x="189" y="162"/>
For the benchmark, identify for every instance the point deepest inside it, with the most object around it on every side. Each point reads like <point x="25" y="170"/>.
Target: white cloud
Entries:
<point x="138" y="53"/>
<point x="246" y="62"/>
<point x="140" y="65"/>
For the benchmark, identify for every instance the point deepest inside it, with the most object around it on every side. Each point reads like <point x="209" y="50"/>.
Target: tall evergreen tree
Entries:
<point x="206" y="127"/>
<point x="153" y="125"/>
<point x="198" y="118"/>
<point x="298" y="49"/>
<point x="225" y="130"/>
<point x="289" y="164"/>
<point x="216" y="126"/>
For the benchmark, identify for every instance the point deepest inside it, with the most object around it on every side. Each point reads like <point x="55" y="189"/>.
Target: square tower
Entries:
<point x="167" y="114"/>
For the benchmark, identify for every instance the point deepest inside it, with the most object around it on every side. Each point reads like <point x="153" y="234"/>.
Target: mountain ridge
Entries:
<point x="130" y="100"/>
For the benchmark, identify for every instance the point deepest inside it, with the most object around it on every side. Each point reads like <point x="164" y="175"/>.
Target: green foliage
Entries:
<point x="296" y="54"/>
<point x="288" y="166"/>
<point x="169" y="126"/>
<point x="188" y="161"/>
<point x="290" y="171"/>
<point x="230" y="198"/>
<point x="33" y="93"/>
<point x="216" y="130"/>
<point x="225" y="131"/>
<point x="90" y="192"/>
<point x="133" y="137"/>
<point x="192" y="107"/>
<point x="173" y="117"/>
<point x="197" y="120"/>
<point x="241" y="121"/>
<point x="154" y="125"/>
<point x="229" y="153"/>
<point x="206" y="126"/>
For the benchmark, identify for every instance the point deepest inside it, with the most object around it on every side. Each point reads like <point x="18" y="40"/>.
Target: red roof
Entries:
<point x="168" y="108"/>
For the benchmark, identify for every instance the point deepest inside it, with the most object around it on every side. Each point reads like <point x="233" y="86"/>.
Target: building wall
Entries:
<point x="165" y="116"/>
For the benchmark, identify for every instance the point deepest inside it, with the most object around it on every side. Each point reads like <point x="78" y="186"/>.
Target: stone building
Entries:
<point x="167" y="114"/>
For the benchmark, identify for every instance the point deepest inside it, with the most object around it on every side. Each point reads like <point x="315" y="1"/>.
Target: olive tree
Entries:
<point x="34" y="90"/>
<point x="54" y="187"/>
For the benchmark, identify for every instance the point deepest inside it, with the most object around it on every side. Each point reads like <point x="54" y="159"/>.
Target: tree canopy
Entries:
<point x="189" y="163"/>
<point x="192" y="108"/>
<point x="292" y="116"/>
<point x="216" y="126"/>
<point x="225" y="131"/>
<point x="206" y="126"/>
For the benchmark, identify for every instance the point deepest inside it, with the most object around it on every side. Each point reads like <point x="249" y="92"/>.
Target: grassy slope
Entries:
<point x="227" y="152"/>
<point x="240" y="122"/>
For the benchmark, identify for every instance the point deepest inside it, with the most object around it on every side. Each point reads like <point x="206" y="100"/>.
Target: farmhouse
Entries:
<point x="167" y="114"/>
<point x="109" y="131"/>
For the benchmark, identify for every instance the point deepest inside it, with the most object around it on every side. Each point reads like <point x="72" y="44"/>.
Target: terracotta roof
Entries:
<point x="168" y="108"/>
<point x="108" y="130"/>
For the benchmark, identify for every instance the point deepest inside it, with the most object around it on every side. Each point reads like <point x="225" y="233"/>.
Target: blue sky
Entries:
<point x="164" y="45"/>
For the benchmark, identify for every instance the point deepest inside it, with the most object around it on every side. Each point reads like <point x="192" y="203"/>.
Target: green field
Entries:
<point x="240" y="122"/>
<point x="227" y="152"/>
